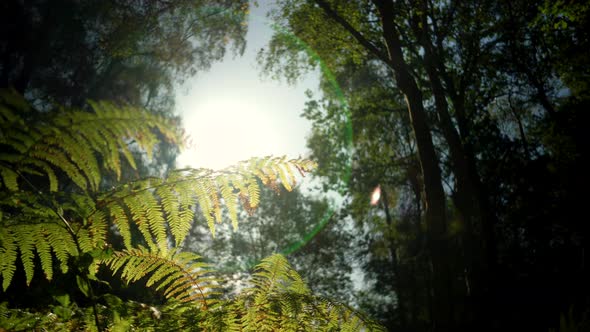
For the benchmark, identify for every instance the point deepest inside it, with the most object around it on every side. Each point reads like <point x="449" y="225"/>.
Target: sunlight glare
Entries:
<point x="376" y="195"/>
<point x="224" y="131"/>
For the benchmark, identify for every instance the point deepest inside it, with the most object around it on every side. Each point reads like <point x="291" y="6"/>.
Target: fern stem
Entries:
<point x="93" y="301"/>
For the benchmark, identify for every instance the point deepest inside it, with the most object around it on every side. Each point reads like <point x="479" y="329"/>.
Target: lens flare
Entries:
<point x="376" y="195"/>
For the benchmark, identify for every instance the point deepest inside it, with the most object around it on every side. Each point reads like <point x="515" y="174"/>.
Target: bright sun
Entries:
<point x="231" y="114"/>
<point x="223" y="132"/>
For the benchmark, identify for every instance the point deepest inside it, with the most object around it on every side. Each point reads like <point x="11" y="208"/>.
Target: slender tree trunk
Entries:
<point x="435" y="213"/>
<point x="467" y="204"/>
<point x="466" y="196"/>
<point x="478" y="195"/>
<point x="400" y="294"/>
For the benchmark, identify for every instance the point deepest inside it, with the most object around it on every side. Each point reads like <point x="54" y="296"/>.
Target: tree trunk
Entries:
<point x="466" y="197"/>
<point x="470" y="199"/>
<point x="401" y="298"/>
<point x="435" y="213"/>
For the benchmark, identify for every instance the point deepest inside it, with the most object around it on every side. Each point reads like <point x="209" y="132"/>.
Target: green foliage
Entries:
<point x="49" y="154"/>
<point x="179" y="274"/>
<point x="571" y="323"/>
<point x="155" y="203"/>
<point x="34" y="240"/>
<point x="280" y="300"/>
<point x="41" y="145"/>
<point x="71" y="140"/>
<point x="277" y="299"/>
<point x="500" y="82"/>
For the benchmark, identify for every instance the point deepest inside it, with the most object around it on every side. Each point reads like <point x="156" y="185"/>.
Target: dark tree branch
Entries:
<point x="355" y="33"/>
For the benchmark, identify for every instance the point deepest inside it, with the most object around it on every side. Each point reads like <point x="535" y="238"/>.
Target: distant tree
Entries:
<point x="124" y="51"/>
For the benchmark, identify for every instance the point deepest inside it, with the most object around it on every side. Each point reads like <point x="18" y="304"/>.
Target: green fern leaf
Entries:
<point x="8" y="255"/>
<point x="139" y="218"/>
<point x="40" y="240"/>
<point x="53" y="183"/>
<point x="285" y="180"/>
<point x="97" y="228"/>
<point x="275" y="272"/>
<point x="78" y="152"/>
<point x="253" y="192"/>
<point x="279" y="299"/>
<point x="230" y="200"/>
<point x="69" y="140"/>
<point x="155" y="219"/>
<point x="9" y="177"/>
<point x="172" y="207"/>
<point x="43" y="251"/>
<point x="185" y="212"/>
<point x="170" y="200"/>
<point x="60" y="160"/>
<point x="62" y="244"/>
<point x="26" y="245"/>
<point x="204" y="199"/>
<point x="18" y="138"/>
<point x="84" y="240"/>
<point x="120" y="220"/>
<point x="179" y="275"/>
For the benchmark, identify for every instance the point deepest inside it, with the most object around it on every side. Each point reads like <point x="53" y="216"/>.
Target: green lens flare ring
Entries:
<point x="344" y="173"/>
<point x="343" y="105"/>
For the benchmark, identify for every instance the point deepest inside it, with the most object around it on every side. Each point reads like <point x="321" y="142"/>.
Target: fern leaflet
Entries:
<point x="179" y="275"/>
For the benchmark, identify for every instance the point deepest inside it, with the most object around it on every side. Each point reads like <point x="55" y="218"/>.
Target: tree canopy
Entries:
<point x="451" y="106"/>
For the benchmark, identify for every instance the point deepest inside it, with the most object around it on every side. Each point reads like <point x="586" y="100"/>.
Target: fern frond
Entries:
<point x="42" y="240"/>
<point x="155" y="203"/>
<point x="138" y="216"/>
<point x="43" y="251"/>
<point x="97" y="227"/>
<point x="62" y="244"/>
<point x="221" y="317"/>
<point x="70" y="140"/>
<point x="180" y="275"/>
<point x="274" y="273"/>
<point x="59" y="159"/>
<point x="203" y="195"/>
<point x="253" y="192"/>
<point x="24" y="239"/>
<point x="8" y="255"/>
<point x="46" y="168"/>
<point x="29" y="230"/>
<point x="76" y="149"/>
<point x="279" y="299"/>
<point x="186" y="213"/>
<point x="119" y="218"/>
<point x="230" y="199"/>
<point x="285" y="176"/>
<point x="9" y="177"/>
